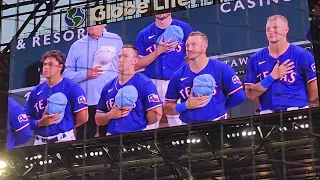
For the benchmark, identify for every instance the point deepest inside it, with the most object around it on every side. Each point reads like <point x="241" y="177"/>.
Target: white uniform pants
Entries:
<point x="288" y="109"/>
<point x="61" y="137"/>
<point x="218" y="118"/>
<point x="162" y="86"/>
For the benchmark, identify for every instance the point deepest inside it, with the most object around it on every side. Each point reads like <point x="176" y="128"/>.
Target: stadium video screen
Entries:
<point x="201" y="63"/>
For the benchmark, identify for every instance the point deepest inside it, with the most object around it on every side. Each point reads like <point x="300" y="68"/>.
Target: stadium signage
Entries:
<point x="228" y="6"/>
<point x="48" y="39"/>
<point x="123" y="9"/>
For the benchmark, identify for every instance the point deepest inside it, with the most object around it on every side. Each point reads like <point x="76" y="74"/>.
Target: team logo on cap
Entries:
<point x="153" y="98"/>
<point x="103" y="62"/>
<point x="82" y="100"/>
<point x="22" y="118"/>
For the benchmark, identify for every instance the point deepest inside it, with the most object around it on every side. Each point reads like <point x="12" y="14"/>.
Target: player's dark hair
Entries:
<point x="201" y="34"/>
<point x="132" y="47"/>
<point x="58" y="55"/>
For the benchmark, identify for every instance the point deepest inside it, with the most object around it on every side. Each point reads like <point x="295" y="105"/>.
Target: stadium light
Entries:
<point x="306" y="125"/>
<point x="3" y="164"/>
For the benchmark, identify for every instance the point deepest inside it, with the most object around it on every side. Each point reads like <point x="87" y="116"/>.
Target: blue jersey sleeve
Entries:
<point x="172" y="94"/>
<point x="231" y="82"/>
<point x="77" y="99"/>
<point x="20" y="132"/>
<point x="151" y="96"/>
<point x="102" y="106"/>
<point x="250" y="76"/>
<point x="308" y="67"/>
<point x="31" y="111"/>
<point x="187" y="31"/>
<point x="141" y="45"/>
<point x="18" y="118"/>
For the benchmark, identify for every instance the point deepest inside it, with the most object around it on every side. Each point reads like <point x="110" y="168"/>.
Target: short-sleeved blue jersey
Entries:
<point x="148" y="99"/>
<point x="291" y="89"/>
<point x="227" y="84"/>
<point x="37" y="102"/>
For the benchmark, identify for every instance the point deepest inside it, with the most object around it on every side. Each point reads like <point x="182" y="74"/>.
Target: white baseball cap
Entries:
<point x="103" y="57"/>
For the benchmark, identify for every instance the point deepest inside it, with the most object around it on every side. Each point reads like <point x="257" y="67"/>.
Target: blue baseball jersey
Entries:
<point x="291" y="89"/>
<point x="148" y="99"/>
<point x="167" y="63"/>
<point x="37" y="101"/>
<point x="19" y="131"/>
<point x="227" y="84"/>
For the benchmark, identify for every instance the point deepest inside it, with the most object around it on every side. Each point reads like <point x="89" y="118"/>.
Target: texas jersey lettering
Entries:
<point x="37" y="103"/>
<point x="227" y="84"/>
<point x="167" y="63"/>
<point x="148" y="99"/>
<point x="290" y="90"/>
<point x="18" y="125"/>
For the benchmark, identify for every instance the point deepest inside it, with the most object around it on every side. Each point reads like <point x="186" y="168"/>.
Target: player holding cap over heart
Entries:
<point x="57" y="106"/>
<point x="207" y="87"/>
<point x="129" y="102"/>
<point x="161" y="46"/>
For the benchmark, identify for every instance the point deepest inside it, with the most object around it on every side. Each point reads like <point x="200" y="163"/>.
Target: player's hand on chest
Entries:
<point x="286" y="70"/>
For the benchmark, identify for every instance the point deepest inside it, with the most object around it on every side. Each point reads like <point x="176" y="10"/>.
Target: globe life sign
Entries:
<point x="75" y="17"/>
<point x="125" y="8"/>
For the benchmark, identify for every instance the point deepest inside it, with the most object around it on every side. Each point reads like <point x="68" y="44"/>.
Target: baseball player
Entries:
<point x="85" y="66"/>
<point x="56" y="106"/>
<point x="161" y="56"/>
<point x="114" y="108"/>
<point x="227" y="91"/>
<point x="281" y="75"/>
<point x="19" y="132"/>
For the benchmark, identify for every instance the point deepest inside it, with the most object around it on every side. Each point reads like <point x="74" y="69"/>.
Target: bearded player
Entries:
<point x="146" y="110"/>
<point x="52" y="128"/>
<point x="281" y="75"/>
<point x="228" y="91"/>
<point x="160" y="60"/>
